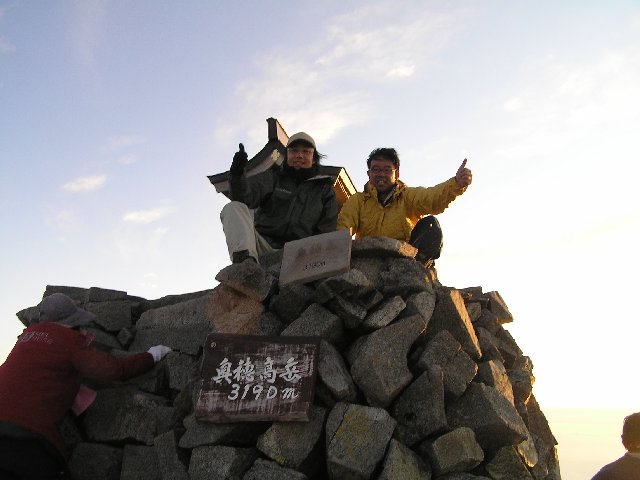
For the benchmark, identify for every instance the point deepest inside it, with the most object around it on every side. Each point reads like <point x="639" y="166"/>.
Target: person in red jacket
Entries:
<point x="40" y="380"/>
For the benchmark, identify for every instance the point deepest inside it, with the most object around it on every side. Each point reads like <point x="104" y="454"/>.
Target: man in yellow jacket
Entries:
<point x="389" y="208"/>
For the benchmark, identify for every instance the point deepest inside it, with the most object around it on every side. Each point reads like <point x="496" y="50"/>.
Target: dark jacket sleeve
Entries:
<point x="252" y="191"/>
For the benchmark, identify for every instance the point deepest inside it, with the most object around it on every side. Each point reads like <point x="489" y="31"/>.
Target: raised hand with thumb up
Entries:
<point x="239" y="163"/>
<point x="463" y="175"/>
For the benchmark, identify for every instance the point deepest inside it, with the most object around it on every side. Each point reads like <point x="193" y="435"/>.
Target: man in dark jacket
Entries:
<point x="626" y="467"/>
<point x="40" y="383"/>
<point x="287" y="202"/>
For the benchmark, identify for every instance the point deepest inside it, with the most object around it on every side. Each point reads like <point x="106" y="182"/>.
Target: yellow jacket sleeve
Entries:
<point x="422" y="201"/>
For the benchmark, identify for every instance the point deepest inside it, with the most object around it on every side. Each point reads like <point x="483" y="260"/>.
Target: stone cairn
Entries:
<point x="415" y="380"/>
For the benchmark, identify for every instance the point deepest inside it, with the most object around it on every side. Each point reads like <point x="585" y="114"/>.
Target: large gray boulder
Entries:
<point x="172" y="461"/>
<point x="356" y="440"/>
<point x="455" y="451"/>
<point x="241" y="434"/>
<point x="402" y="463"/>
<point x="95" y="461"/>
<point x="269" y="470"/>
<point x="181" y="326"/>
<point x="507" y="465"/>
<point x="293" y="444"/>
<point x="317" y="321"/>
<point x="123" y="414"/>
<point x="380" y="366"/>
<point x="334" y="374"/>
<point x="220" y="462"/>
<point x="420" y="409"/>
<point x="139" y="462"/>
<point x="489" y="414"/>
<point x="249" y="278"/>
<point x="451" y="314"/>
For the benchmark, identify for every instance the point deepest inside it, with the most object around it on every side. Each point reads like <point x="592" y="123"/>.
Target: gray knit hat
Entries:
<point x="59" y="308"/>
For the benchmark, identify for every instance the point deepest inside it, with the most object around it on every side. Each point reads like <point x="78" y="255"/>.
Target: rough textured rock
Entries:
<point x="438" y="370"/>
<point x="405" y="277"/>
<point x="498" y="307"/>
<point x="93" y="461"/>
<point x="139" y="462"/>
<point x="489" y="414"/>
<point x="402" y="463"/>
<point x="384" y="314"/>
<point x="455" y="451"/>
<point x="293" y="444"/>
<point x="506" y="465"/>
<point x="291" y="301"/>
<point x="235" y="434"/>
<point x="494" y="374"/>
<point x="380" y="367"/>
<point x="357" y="437"/>
<point x="420" y="409"/>
<point x="220" y="462"/>
<point x="457" y="367"/>
<point x="123" y="414"/>
<point x="317" y="321"/>
<point x="334" y="374"/>
<point x="172" y="462"/>
<point x="268" y="470"/>
<point x="230" y="311"/>
<point x="450" y="314"/>
<point x="181" y="326"/>
<point x="382" y="247"/>
<point x="111" y="315"/>
<point x="248" y="278"/>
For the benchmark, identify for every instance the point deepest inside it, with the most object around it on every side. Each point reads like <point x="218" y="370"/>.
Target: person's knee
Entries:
<point x="426" y="236"/>
<point x="232" y="209"/>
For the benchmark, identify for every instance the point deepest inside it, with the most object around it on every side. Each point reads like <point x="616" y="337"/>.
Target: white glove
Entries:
<point x="158" y="352"/>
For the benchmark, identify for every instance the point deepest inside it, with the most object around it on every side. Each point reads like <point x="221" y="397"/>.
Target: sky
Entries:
<point x="113" y="113"/>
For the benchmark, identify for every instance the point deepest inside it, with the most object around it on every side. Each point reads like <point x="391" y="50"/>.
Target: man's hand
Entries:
<point x="239" y="163"/>
<point x="463" y="175"/>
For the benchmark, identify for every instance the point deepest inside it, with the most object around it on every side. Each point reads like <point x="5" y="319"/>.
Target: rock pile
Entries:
<point x="415" y="381"/>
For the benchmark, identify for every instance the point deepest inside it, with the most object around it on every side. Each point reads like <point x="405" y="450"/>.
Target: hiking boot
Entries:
<point x="422" y="258"/>
<point x="241" y="256"/>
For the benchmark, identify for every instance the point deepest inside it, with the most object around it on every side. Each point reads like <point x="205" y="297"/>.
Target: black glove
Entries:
<point x="239" y="163"/>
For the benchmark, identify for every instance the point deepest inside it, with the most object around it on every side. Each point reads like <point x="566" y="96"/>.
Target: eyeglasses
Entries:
<point x="386" y="171"/>
<point x="297" y="150"/>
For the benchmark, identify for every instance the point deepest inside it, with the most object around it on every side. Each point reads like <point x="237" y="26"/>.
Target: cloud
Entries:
<point x="88" y="28"/>
<point x="61" y="218"/>
<point x="5" y="45"/>
<point x="84" y="184"/>
<point x="380" y="40"/>
<point x="127" y="159"/>
<point x="148" y="216"/>
<point x="332" y="77"/>
<point x="121" y="142"/>
<point x="573" y="106"/>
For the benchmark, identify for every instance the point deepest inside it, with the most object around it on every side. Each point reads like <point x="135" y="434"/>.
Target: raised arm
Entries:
<point x="250" y="191"/>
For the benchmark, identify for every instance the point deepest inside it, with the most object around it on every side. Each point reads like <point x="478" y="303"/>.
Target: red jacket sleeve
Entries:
<point x="99" y="365"/>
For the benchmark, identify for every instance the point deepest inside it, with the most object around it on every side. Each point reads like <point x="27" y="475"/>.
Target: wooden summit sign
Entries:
<point x="257" y="378"/>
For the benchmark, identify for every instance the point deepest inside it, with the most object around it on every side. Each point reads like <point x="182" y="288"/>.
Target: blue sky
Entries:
<point x="113" y="113"/>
